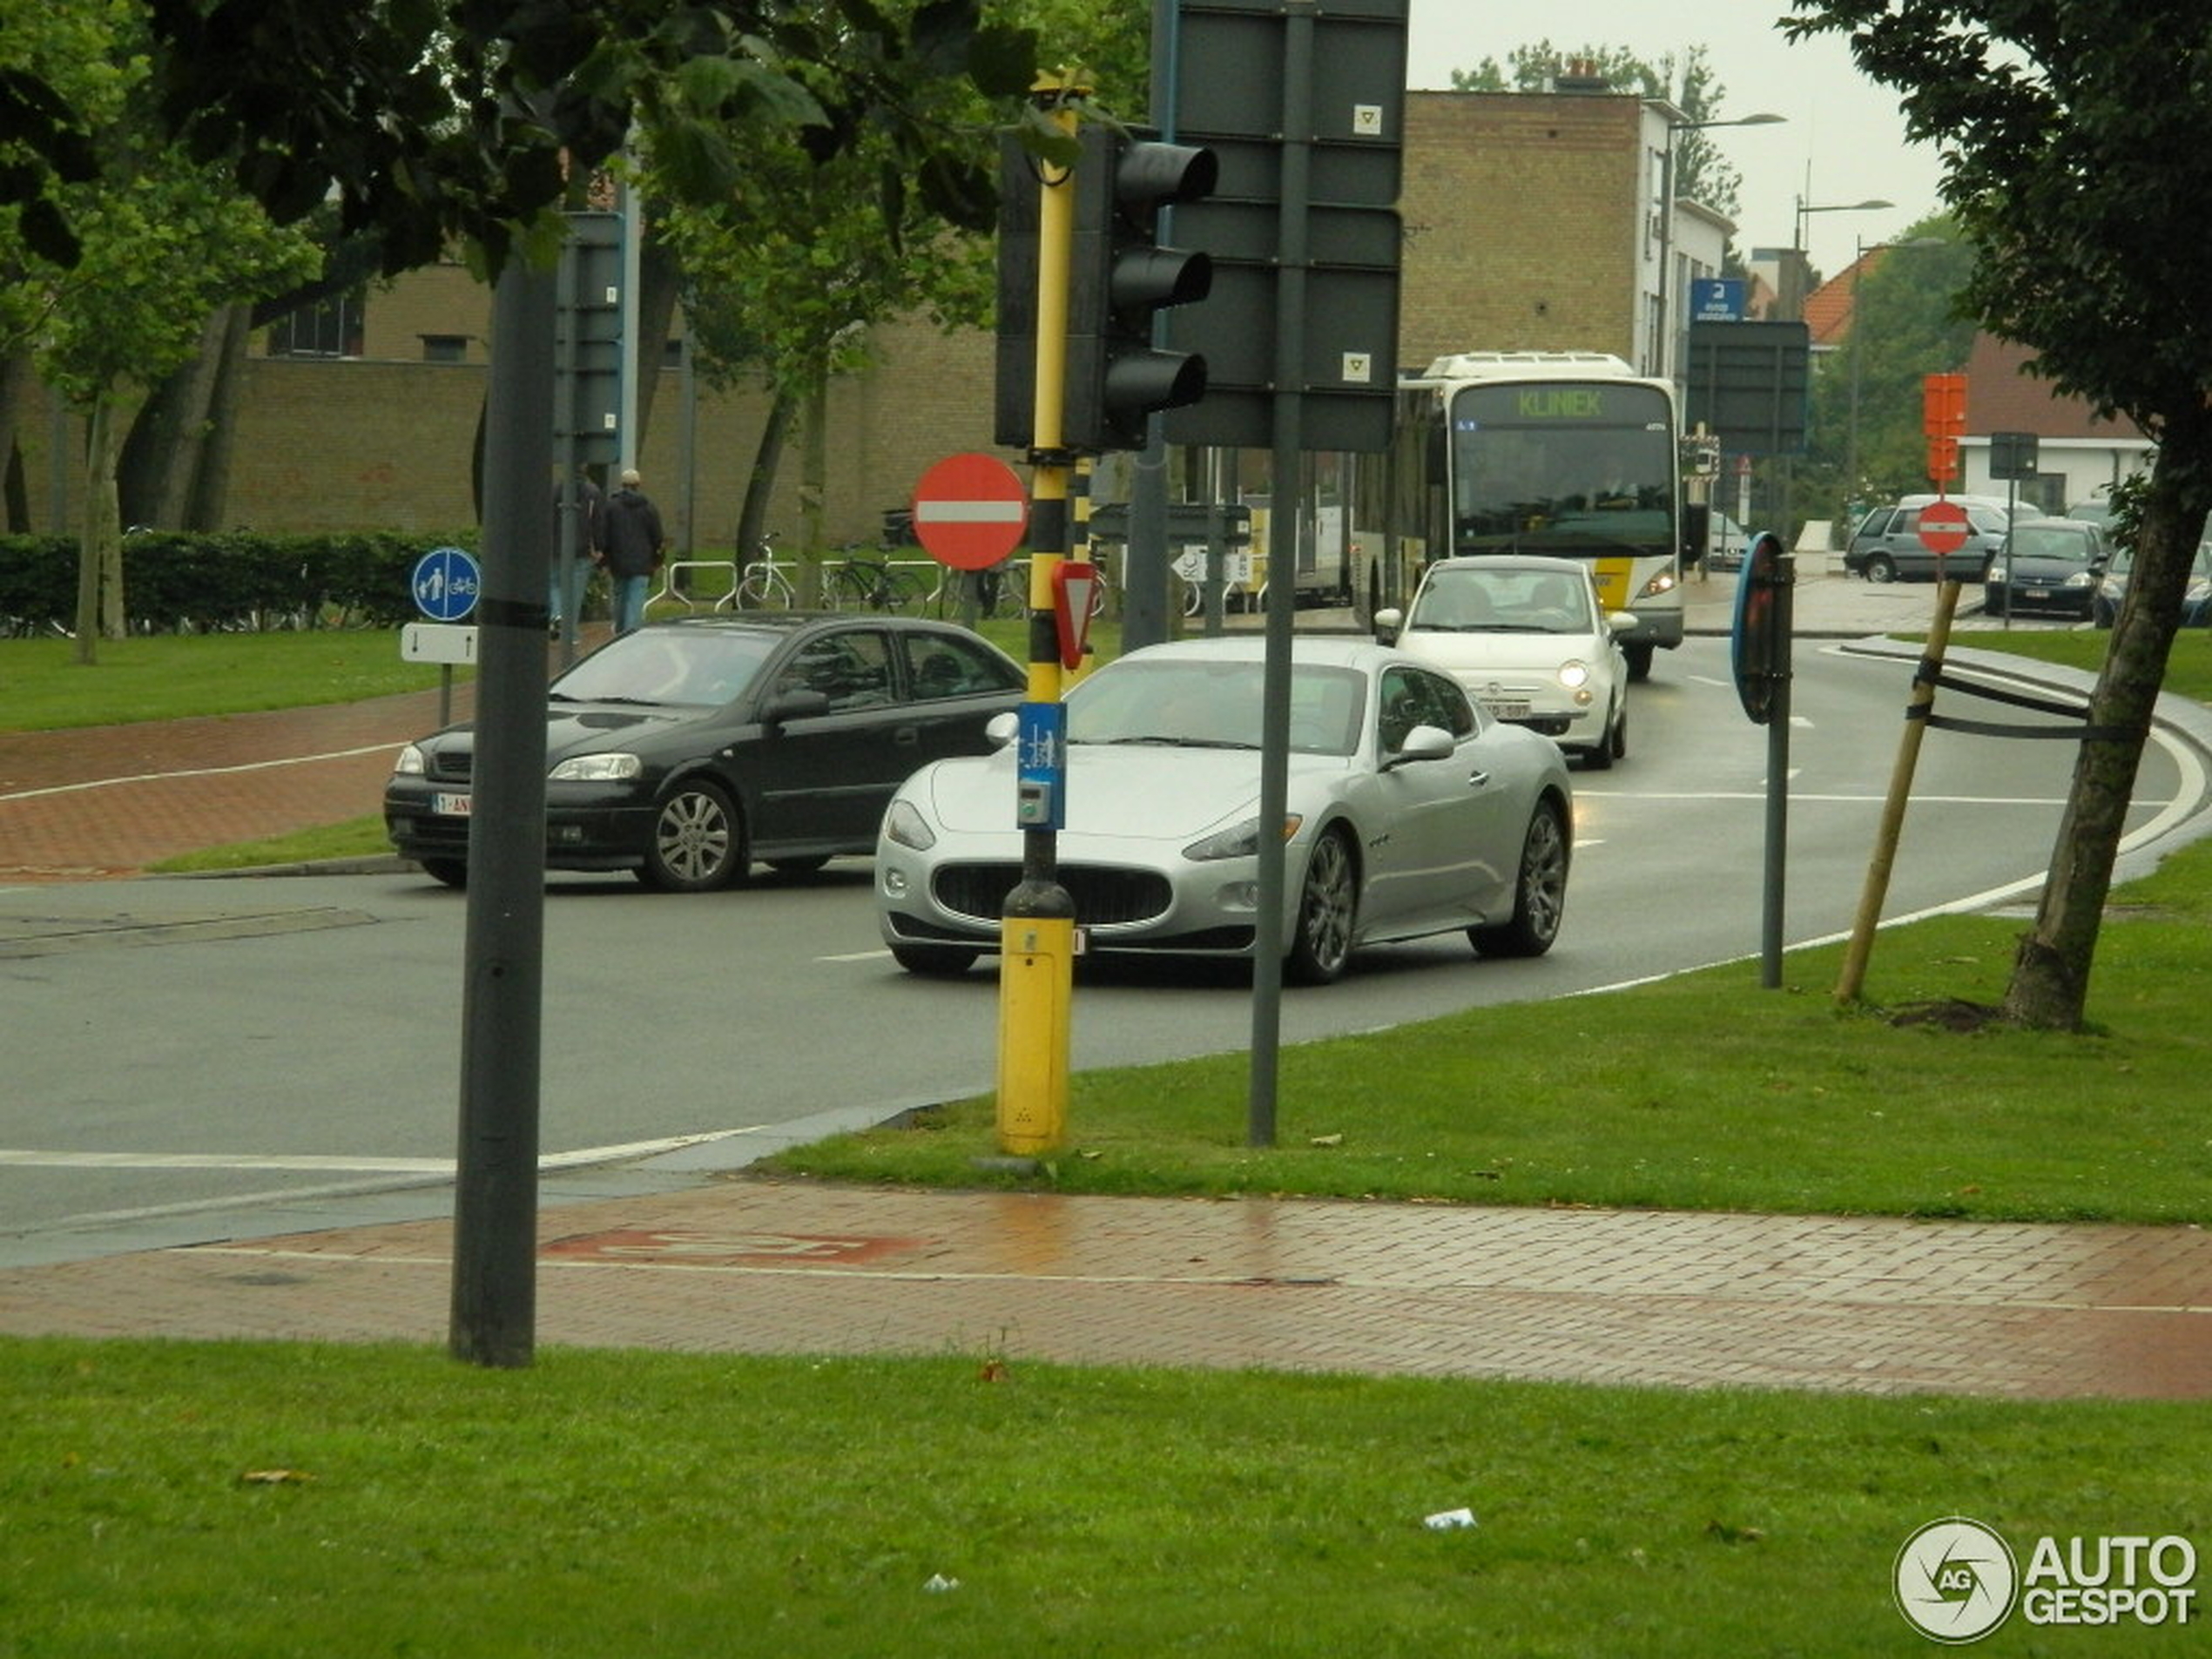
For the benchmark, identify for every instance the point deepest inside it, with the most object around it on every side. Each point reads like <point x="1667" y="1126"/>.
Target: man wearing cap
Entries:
<point x="633" y="544"/>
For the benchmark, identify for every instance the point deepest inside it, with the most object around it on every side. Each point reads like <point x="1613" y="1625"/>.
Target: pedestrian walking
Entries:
<point x="578" y="530"/>
<point x="632" y="545"/>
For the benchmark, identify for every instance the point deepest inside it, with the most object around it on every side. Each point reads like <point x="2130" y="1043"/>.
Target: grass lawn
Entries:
<point x="248" y="1500"/>
<point x="296" y="1500"/>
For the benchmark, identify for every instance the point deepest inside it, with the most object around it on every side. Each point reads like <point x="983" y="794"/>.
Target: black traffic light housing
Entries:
<point x="1119" y="279"/>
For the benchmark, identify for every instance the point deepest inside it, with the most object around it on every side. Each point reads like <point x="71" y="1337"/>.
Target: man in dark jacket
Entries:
<point x="632" y="545"/>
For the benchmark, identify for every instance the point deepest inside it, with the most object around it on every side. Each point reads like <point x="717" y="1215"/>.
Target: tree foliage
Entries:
<point x="156" y="242"/>
<point x="2071" y="139"/>
<point x="1865" y="443"/>
<point x="1702" y="173"/>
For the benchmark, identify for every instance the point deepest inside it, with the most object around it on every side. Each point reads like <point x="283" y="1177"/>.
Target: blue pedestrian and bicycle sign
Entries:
<point x="445" y="583"/>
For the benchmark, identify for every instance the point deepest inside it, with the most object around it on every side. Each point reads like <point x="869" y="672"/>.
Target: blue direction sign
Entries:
<point x="445" y="583"/>
<point x="1717" y="299"/>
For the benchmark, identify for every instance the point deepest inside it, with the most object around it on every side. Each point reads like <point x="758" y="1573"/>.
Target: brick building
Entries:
<point x="1531" y="222"/>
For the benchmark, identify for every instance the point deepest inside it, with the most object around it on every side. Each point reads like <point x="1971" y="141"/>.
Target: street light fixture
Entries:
<point x="1850" y="428"/>
<point x="1800" y="269"/>
<point x="1667" y="332"/>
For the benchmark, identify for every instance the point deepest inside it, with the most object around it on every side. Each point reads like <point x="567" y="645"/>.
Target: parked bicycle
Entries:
<point x="765" y="585"/>
<point x="865" y="578"/>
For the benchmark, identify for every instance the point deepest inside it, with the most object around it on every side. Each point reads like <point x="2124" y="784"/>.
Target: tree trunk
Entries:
<point x="99" y="527"/>
<point x="813" y="470"/>
<point x="2049" y="988"/>
<point x="760" y="482"/>
<point x="103" y="514"/>
<point x="209" y="502"/>
<point x="15" y="491"/>
<point x="162" y="454"/>
<point x="658" y="281"/>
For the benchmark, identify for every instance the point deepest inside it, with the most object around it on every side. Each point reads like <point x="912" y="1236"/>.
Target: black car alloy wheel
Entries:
<point x="698" y="840"/>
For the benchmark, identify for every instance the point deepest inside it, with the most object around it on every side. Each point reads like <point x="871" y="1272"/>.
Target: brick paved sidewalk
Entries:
<point x="105" y="801"/>
<point x="746" y="1266"/>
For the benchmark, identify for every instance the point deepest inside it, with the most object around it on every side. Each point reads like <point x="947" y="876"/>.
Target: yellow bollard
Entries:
<point x="1036" y="987"/>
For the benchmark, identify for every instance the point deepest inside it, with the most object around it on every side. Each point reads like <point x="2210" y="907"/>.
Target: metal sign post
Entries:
<point x="1761" y="650"/>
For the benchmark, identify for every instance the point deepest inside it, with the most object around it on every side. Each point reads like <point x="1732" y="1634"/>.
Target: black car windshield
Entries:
<point x="2061" y="543"/>
<point x="1188" y="702"/>
<point x="704" y="665"/>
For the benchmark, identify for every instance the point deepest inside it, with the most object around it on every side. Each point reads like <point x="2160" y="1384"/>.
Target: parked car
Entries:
<point x="2047" y="564"/>
<point x="1530" y="642"/>
<point x="687" y="750"/>
<point x="2112" y="588"/>
<point x="1410" y="813"/>
<point x="1886" y="546"/>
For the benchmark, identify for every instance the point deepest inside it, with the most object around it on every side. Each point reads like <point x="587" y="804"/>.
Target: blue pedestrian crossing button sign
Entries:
<point x="445" y="583"/>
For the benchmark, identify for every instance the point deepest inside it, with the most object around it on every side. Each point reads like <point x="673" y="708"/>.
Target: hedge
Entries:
<point x="179" y="582"/>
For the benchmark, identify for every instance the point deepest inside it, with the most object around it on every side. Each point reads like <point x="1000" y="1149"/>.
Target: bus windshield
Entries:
<point x="1579" y="469"/>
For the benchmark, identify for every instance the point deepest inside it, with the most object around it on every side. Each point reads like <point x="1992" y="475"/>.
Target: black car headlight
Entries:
<point x="614" y="767"/>
<point x="411" y="763"/>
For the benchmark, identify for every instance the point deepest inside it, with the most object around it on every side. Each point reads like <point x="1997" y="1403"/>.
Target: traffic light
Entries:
<point x="1015" y="407"/>
<point x="1118" y="279"/>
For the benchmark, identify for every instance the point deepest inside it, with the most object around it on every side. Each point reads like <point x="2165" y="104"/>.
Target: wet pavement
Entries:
<point x="686" y="1251"/>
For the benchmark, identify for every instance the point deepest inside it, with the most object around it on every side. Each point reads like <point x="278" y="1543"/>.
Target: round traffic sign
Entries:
<point x="970" y="511"/>
<point x="445" y="583"/>
<point x="1943" y="527"/>
<point x="1759" y="643"/>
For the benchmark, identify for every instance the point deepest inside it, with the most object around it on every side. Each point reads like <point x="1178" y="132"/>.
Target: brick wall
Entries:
<point x="1521" y="228"/>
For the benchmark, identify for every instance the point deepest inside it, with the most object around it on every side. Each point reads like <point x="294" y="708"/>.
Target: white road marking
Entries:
<point x="13" y="1157"/>
<point x="202" y="772"/>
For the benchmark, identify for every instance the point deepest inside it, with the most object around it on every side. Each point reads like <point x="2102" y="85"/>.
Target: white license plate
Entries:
<point x="448" y="805"/>
<point x="1504" y="711"/>
<point x="2035" y="593"/>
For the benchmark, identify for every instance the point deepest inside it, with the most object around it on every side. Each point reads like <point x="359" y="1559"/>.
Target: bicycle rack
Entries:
<point x="667" y="589"/>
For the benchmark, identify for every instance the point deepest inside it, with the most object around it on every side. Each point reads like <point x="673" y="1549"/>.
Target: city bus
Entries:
<point x="1568" y="453"/>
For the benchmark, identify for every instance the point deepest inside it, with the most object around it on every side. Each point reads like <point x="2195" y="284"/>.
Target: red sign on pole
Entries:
<point x="1073" y="583"/>
<point x="970" y="511"/>
<point x="1943" y="527"/>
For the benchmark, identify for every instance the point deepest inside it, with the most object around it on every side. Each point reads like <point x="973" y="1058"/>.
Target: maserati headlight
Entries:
<point x="905" y="825"/>
<point x="615" y="767"/>
<point x="1241" y="842"/>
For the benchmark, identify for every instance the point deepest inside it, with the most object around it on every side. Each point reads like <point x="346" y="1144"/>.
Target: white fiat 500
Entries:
<point x="1529" y="640"/>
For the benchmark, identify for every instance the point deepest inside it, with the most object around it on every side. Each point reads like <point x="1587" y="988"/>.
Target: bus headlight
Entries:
<point x="1663" y="583"/>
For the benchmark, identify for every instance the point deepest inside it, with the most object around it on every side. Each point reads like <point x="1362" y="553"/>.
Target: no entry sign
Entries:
<point x="1943" y="527"/>
<point x="970" y="511"/>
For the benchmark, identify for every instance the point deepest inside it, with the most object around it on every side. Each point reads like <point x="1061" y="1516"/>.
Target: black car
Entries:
<point x="2049" y="564"/>
<point x="685" y="751"/>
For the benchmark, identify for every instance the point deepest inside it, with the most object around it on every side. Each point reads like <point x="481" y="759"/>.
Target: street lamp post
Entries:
<point x="1850" y="428"/>
<point x="1798" y="266"/>
<point x="1667" y="332"/>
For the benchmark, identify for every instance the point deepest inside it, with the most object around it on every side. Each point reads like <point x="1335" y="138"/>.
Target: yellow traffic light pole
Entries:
<point x="1038" y="925"/>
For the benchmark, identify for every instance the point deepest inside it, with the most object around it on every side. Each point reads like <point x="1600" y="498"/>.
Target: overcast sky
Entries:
<point x="1841" y="126"/>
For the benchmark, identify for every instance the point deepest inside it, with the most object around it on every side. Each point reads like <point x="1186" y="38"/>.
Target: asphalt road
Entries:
<point x="176" y="1048"/>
